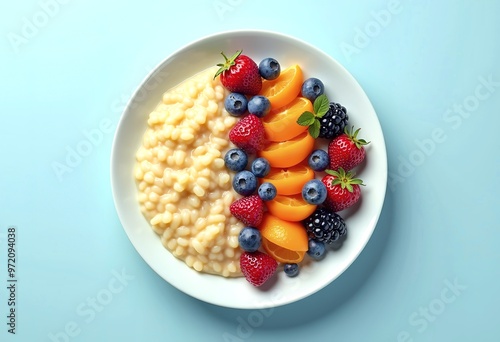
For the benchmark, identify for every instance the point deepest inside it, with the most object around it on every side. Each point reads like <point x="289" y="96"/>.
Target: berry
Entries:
<point x="325" y="225"/>
<point x="328" y="120"/>
<point x="316" y="249"/>
<point x="244" y="183"/>
<point x="312" y="88"/>
<point x="236" y="104"/>
<point x="259" y="105"/>
<point x="257" y="267"/>
<point x="291" y="270"/>
<point x="248" y="134"/>
<point x="267" y="191"/>
<point x="333" y="122"/>
<point x="260" y="167"/>
<point x="269" y="68"/>
<point x="319" y="160"/>
<point x="343" y="190"/>
<point x="249" y="210"/>
<point x="236" y="159"/>
<point x="346" y="151"/>
<point x="249" y="239"/>
<point x="314" y="192"/>
<point x="240" y="74"/>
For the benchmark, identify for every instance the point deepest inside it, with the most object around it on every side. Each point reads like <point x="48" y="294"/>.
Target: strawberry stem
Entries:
<point x="229" y="62"/>
<point x="345" y="179"/>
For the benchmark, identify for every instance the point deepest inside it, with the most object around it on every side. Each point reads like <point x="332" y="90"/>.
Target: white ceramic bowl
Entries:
<point x="340" y="87"/>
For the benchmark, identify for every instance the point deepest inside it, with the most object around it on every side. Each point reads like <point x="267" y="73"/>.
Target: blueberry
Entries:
<point x="249" y="239"/>
<point x="314" y="192"/>
<point x="260" y="167"/>
<point x="291" y="270"/>
<point x="269" y="68"/>
<point x="319" y="160"/>
<point x="259" y="106"/>
<point x="236" y="160"/>
<point x="267" y="191"/>
<point x="236" y="104"/>
<point x="316" y="249"/>
<point x="244" y="183"/>
<point x="312" y="88"/>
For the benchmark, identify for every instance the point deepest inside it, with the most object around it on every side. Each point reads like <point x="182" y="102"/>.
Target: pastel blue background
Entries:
<point x="430" y="272"/>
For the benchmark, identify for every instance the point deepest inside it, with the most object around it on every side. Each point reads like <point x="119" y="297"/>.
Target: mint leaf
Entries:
<point x="314" y="129"/>
<point x="306" y="119"/>
<point x="321" y="105"/>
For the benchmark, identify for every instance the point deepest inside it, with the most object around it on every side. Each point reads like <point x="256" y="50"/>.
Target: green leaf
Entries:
<point x="314" y="129"/>
<point x="321" y="105"/>
<point x="306" y="119"/>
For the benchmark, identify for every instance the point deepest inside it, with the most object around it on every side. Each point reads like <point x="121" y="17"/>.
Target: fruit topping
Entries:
<point x="291" y="270"/>
<point x="314" y="192"/>
<point x="343" y="190"/>
<point x="281" y="123"/>
<point x="289" y="181"/>
<point x="285" y="241"/>
<point x="319" y="160"/>
<point x="334" y="121"/>
<point x="259" y="106"/>
<point x="346" y="151"/>
<point x="244" y="183"/>
<point x="248" y="134"/>
<point x="312" y="88"/>
<point x="240" y="74"/>
<point x="260" y="167"/>
<point x="290" y="208"/>
<point x="317" y="249"/>
<point x="328" y="120"/>
<point x="267" y="191"/>
<point x="249" y="210"/>
<point x="236" y="159"/>
<point x="288" y="153"/>
<point x="236" y="104"/>
<point x="325" y="225"/>
<point x="257" y="267"/>
<point x="269" y="68"/>
<point x="249" y="239"/>
<point x="284" y="89"/>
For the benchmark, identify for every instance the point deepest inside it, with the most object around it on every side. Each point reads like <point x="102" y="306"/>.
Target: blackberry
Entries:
<point x="325" y="225"/>
<point x="333" y="122"/>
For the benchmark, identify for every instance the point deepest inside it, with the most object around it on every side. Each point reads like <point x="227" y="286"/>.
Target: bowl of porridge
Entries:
<point x="171" y="188"/>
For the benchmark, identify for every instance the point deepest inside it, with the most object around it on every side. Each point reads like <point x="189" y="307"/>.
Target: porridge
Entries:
<point x="184" y="188"/>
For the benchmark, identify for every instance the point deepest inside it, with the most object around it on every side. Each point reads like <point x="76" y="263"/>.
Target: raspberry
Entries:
<point x="333" y="122"/>
<point x="325" y="225"/>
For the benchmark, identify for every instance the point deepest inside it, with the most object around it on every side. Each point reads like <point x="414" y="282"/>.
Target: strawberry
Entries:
<point x="346" y="151"/>
<point x="257" y="267"/>
<point x="248" y="210"/>
<point x="248" y="134"/>
<point x="240" y="74"/>
<point x="342" y="189"/>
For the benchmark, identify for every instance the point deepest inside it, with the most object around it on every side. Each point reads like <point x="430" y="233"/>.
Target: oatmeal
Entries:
<point x="184" y="187"/>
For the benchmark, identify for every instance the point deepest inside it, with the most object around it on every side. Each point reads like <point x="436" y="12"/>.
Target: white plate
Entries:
<point x="340" y="87"/>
